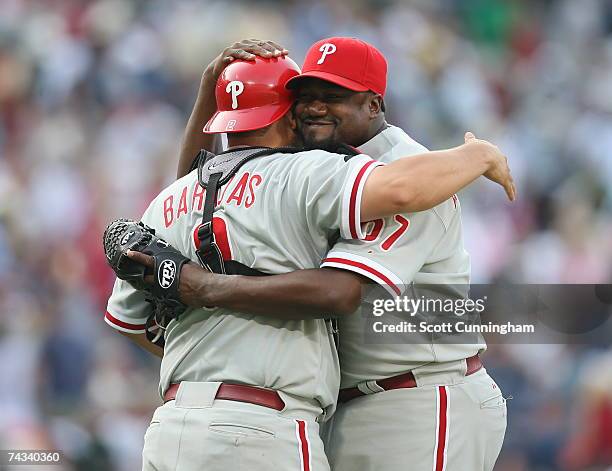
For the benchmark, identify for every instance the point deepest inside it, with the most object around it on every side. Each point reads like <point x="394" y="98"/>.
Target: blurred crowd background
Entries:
<point x="94" y="95"/>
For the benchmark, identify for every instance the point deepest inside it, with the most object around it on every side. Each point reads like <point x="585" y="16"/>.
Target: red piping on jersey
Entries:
<point x="455" y="200"/>
<point x="125" y="325"/>
<point x="363" y="266"/>
<point x="442" y="424"/>
<point x="353" y="200"/>
<point x="304" y="445"/>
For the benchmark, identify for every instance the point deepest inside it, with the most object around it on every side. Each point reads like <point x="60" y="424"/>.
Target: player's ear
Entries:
<point x="375" y="105"/>
<point x="292" y="124"/>
<point x="289" y="125"/>
<point x="291" y="119"/>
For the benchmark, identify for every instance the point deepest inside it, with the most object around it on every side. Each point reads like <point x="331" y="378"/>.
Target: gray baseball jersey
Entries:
<point x="424" y="247"/>
<point x="276" y="215"/>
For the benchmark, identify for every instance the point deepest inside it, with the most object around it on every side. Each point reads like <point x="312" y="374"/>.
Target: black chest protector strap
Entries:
<point x="212" y="174"/>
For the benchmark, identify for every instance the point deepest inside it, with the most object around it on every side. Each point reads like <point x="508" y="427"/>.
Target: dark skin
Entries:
<point x="328" y="114"/>
<point x="302" y="294"/>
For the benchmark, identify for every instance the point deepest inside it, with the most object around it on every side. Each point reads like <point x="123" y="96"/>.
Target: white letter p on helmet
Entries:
<point x="235" y="87"/>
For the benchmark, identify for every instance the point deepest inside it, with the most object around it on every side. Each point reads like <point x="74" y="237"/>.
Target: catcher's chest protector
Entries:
<point x="214" y="172"/>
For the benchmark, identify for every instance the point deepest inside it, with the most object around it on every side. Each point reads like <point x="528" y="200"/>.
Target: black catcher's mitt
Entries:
<point x="125" y="234"/>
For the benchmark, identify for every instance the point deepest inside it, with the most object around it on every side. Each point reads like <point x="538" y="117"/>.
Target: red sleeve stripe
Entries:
<point x="124" y="325"/>
<point x="355" y="202"/>
<point x="371" y="273"/>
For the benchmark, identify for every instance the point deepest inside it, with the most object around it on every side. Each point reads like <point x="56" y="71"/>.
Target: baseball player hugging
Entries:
<point x="249" y="363"/>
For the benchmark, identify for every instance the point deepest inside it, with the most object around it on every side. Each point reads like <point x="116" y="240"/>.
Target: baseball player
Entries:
<point x="429" y="406"/>
<point x="244" y="391"/>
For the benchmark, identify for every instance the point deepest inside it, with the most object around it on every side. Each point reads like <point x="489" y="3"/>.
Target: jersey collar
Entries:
<point x="382" y="142"/>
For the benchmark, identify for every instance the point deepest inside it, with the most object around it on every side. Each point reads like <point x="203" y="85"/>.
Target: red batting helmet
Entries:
<point x="252" y="95"/>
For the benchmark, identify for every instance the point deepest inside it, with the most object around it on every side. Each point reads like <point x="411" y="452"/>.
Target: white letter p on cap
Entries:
<point x="326" y="49"/>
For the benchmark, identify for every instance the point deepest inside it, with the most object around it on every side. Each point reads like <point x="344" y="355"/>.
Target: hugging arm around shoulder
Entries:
<point x="301" y="294"/>
<point x="419" y="182"/>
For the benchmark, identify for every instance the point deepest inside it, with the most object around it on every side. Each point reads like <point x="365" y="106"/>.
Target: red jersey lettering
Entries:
<point x="198" y="193"/>
<point x="238" y="192"/>
<point x="373" y="229"/>
<point x="393" y="238"/>
<point x="182" y="204"/>
<point x="221" y="237"/>
<point x="168" y="211"/>
<point x="253" y="182"/>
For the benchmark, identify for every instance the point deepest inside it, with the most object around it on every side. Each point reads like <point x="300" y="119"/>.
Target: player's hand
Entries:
<point x="247" y="50"/>
<point x="191" y="279"/>
<point x="145" y="260"/>
<point x="499" y="170"/>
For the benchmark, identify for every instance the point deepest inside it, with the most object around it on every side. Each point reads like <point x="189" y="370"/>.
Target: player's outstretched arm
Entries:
<point x="423" y="181"/>
<point x="302" y="294"/>
<point x="205" y="106"/>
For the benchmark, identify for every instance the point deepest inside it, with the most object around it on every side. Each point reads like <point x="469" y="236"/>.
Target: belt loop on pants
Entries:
<point x="239" y="393"/>
<point x="403" y="381"/>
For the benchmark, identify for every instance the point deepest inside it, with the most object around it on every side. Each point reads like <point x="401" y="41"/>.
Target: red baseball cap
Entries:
<point x="348" y="62"/>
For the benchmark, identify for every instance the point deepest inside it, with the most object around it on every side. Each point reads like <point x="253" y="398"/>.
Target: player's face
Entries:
<point x="328" y="115"/>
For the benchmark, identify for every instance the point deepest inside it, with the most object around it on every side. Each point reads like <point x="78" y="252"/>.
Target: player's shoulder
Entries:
<point x="311" y="154"/>
<point x="405" y="145"/>
<point x="315" y="159"/>
<point x="400" y="144"/>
